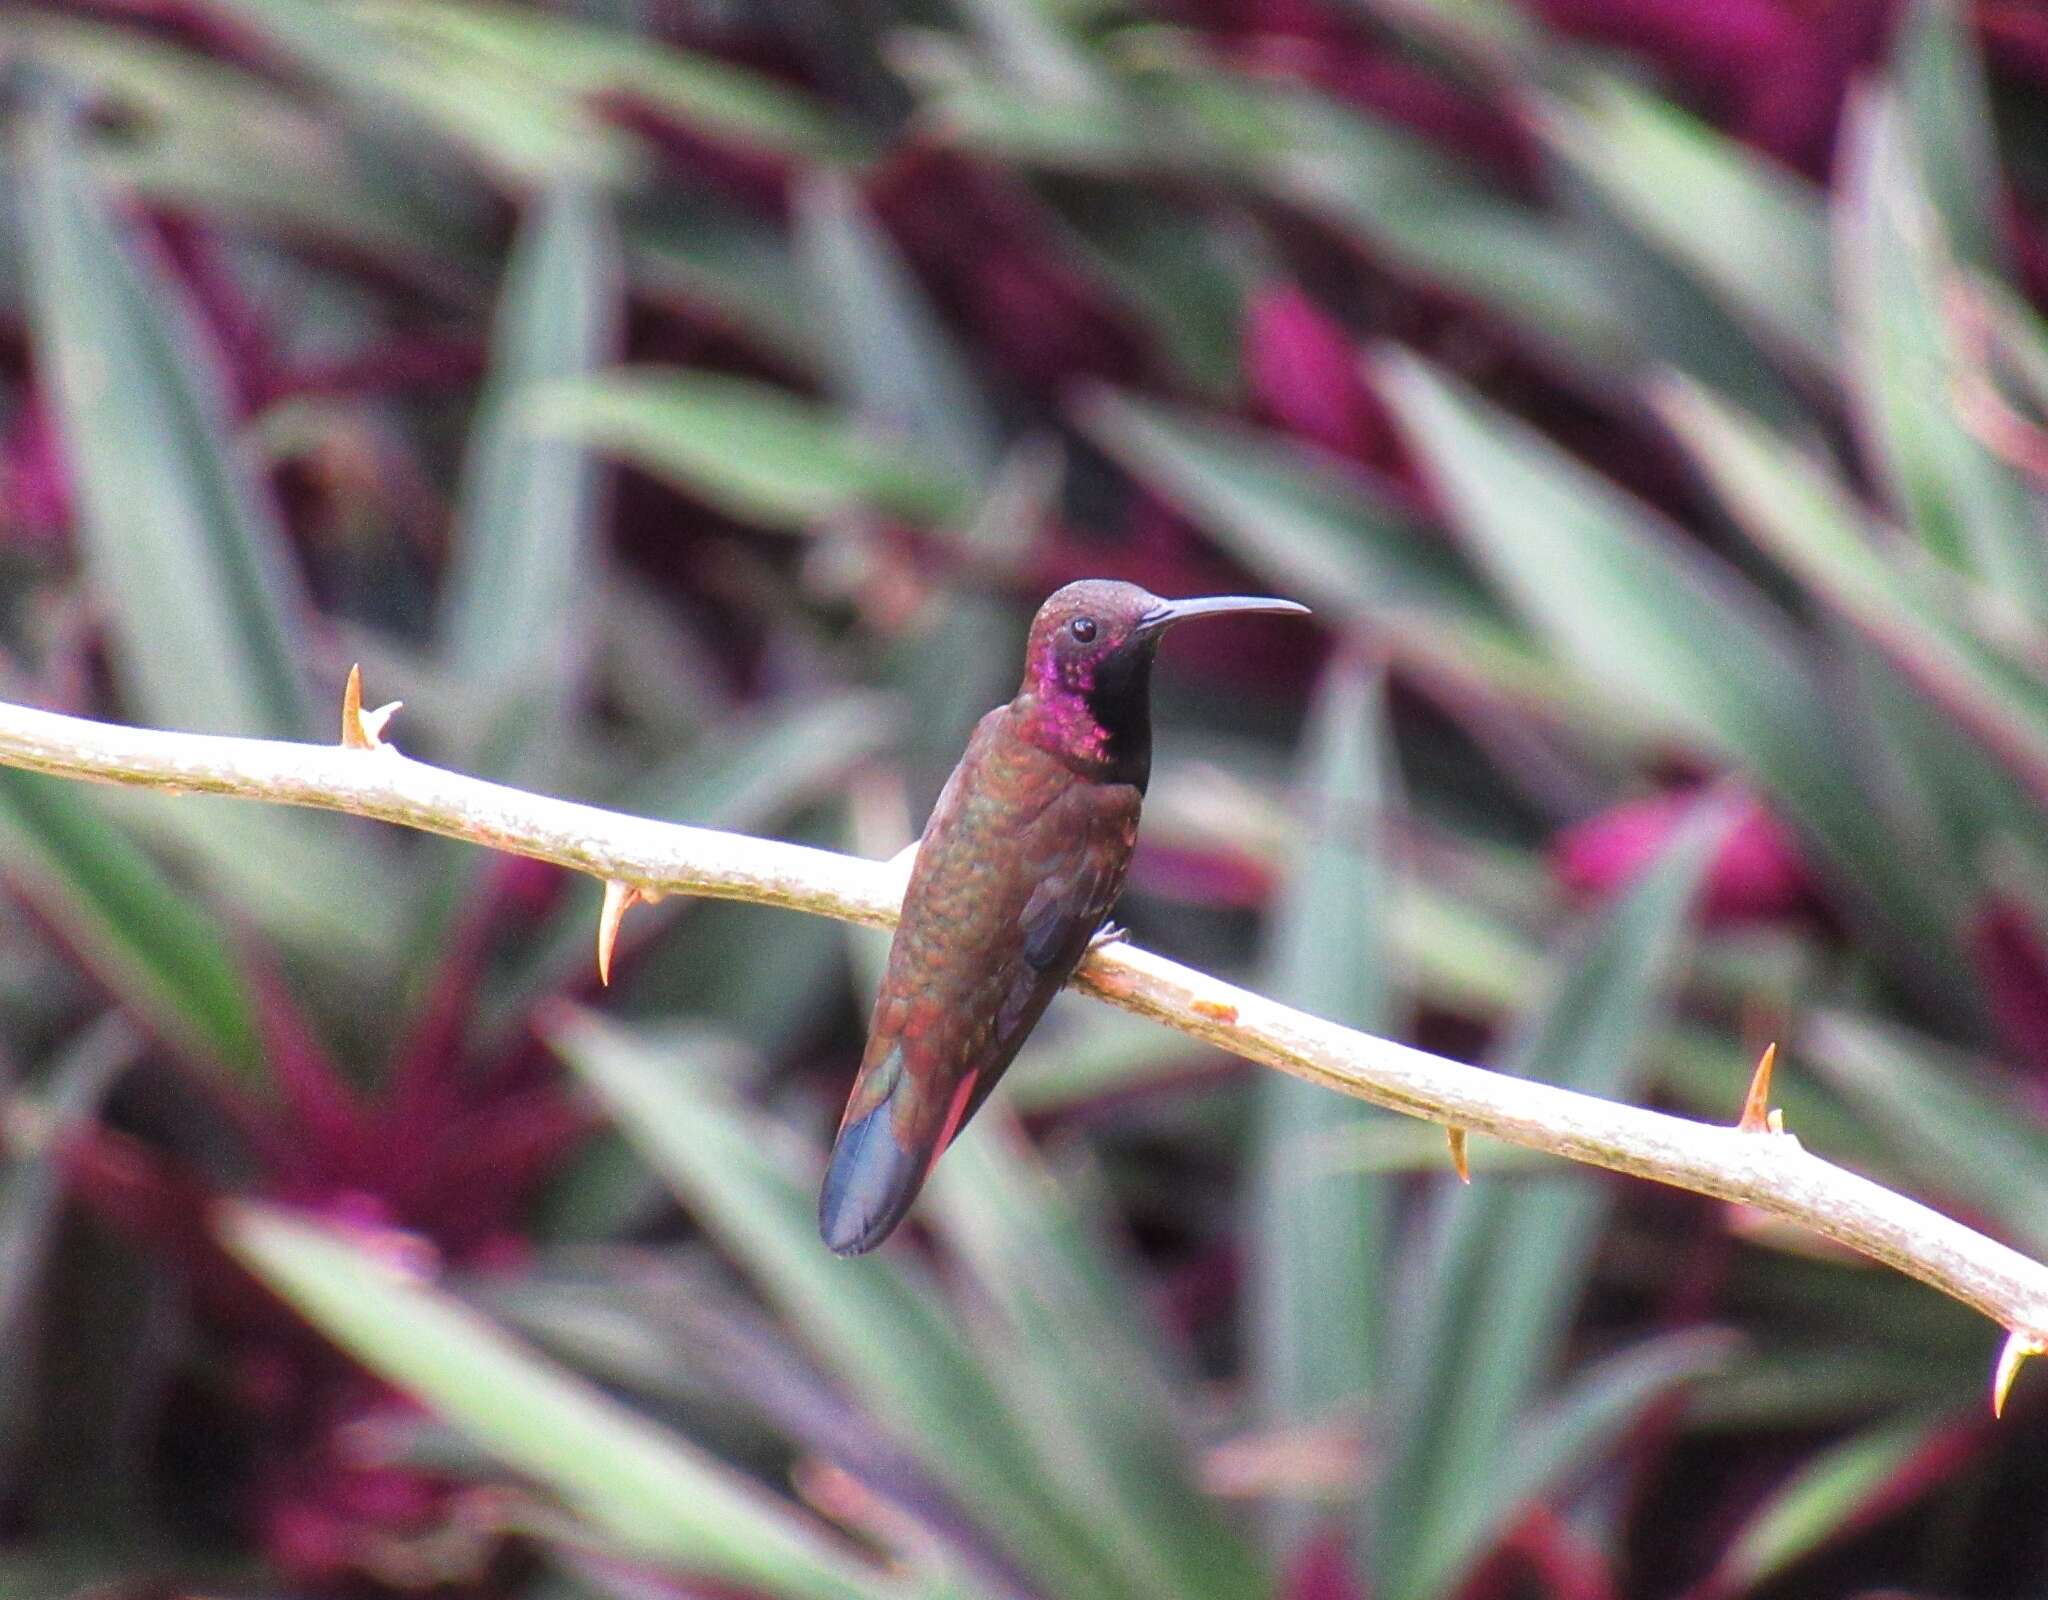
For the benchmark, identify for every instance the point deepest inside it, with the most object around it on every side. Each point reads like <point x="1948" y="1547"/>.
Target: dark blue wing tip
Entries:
<point x="868" y="1187"/>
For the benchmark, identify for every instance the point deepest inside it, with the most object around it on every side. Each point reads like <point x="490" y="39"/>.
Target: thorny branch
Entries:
<point x="1765" y="1167"/>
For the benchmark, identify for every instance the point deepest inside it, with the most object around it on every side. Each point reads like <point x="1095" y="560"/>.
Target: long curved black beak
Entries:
<point x="1168" y="612"/>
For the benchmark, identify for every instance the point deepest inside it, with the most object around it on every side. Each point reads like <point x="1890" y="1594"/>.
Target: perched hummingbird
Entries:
<point x="1019" y="865"/>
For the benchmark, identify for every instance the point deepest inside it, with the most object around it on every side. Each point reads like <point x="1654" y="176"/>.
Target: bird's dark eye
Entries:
<point x="1082" y="628"/>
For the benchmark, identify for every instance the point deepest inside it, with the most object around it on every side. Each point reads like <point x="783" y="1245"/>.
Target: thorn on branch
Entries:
<point x="2019" y="1344"/>
<point x="1458" y="1159"/>
<point x="360" y="729"/>
<point x="619" y="898"/>
<point x="1757" y="1115"/>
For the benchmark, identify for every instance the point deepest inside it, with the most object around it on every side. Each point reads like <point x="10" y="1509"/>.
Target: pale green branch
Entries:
<point x="1770" y="1171"/>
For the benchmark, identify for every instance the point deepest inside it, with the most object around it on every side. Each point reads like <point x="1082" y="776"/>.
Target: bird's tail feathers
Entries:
<point x="871" y="1181"/>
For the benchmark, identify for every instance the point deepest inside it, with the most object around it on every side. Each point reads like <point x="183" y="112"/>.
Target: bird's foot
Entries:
<point x="1109" y="933"/>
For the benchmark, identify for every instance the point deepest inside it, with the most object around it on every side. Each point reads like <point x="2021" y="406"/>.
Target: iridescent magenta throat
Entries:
<point x="1057" y="716"/>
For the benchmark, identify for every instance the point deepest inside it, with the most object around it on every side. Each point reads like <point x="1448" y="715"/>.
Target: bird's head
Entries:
<point x="1087" y="687"/>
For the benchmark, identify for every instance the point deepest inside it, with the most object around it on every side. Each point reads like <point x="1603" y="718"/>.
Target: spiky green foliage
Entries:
<point x="683" y="406"/>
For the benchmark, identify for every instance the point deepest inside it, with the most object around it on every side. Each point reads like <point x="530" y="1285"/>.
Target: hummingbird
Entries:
<point x="1023" y="856"/>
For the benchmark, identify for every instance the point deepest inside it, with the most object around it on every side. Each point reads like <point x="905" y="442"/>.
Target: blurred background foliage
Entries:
<point x="682" y="404"/>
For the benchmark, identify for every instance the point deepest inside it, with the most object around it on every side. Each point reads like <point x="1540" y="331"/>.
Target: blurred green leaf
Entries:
<point x="755" y="112"/>
<point x="969" y="102"/>
<point x="1507" y="1262"/>
<point x="525" y="125"/>
<point x="1936" y="790"/>
<point x="1943" y="98"/>
<point x="152" y="945"/>
<point x="1824" y="1388"/>
<point x="31" y="1187"/>
<point x="1183" y="275"/>
<point x="959" y="655"/>
<point x="771" y="981"/>
<point x="203" y="608"/>
<point x="1967" y="506"/>
<point x="748" y="776"/>
<point x="893" y="361"/>
<point x="874" y="1320"/>
<point x="1754" y="233"/>
<point x="221" y="141"/>
<point x="1681" y="320"/>
<point x="1033" y="45"/>
<point x="1940" y="1116"/>
<point x="757" y="452"/>
<point x="1607" y="1399"/>
<point x="718" y="260"/>
<point x="521" y="572"/>
<point x="1294" y="513"/>
<point x="1322" y="535"/>
<point x="659" y="1496"/>
<point x="1792" y="506"/>
<point x="1084" y="1053"/>
<point x="1406" y="201"/>
<point x="1656" y="622"/>
<point x="328" y="890"/>
<point x="1613" y="590"/>
<point x="1821" y="1502"/>
<point x="1318" y="1271"/>
<point x="1934" y="786"/>
<point x="1093" y="1392"/>
<point x="1486" y="28"/>
<point x="1848" y="1305"/>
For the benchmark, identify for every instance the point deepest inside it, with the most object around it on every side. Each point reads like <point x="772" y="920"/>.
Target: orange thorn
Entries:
<point x="1457" y="1138"/>
<point x="619" y="898"/>
<point x="2018" y="1346"/>
<point x="352" y="735"/>
<point x="1757" y="1115"/>
<point x="360" y="729"/>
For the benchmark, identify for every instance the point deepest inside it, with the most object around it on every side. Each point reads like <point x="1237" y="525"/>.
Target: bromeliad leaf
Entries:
<point x="225" y="142"/>
<point x="1100" y="1406"/>
<point x="1942" y="97"/>
<point x="1828" y="1497"/>
<point x="658" y="1496"/>
<point x="515" y="610"/>
<point x="1508" y="1264"/>
<point x="892" y="358"/>
<point x="155" y="949"/>
<point x="1605" y="1402"/>
<point x="1804" y="516"/>
<point x="876" y="1322"/>
<point x="1319" y="1255"/>
<point x="204" y="608"/>
<point x="754" y="111"/>
<point x="31" y="1192"/>
<point x="1754" y="234"/>
<point x="1898" y="270"/>
<point x="528" y="128"/>
<point x="755" y="451"/>
<point x="1320" y="534"/>
<point x="1656" y="623"/>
